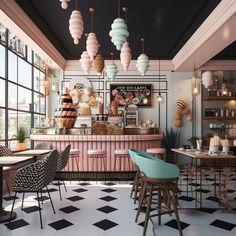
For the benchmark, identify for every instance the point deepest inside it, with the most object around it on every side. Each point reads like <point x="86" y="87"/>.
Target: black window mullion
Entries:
<point x="6" y="90"/>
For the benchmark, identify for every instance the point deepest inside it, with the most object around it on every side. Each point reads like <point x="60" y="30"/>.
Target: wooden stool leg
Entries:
<point x="134" y="184"/>
<point x="148" y="211"/>
<point x="176" y="212"/>
<point x="141" y="198"/>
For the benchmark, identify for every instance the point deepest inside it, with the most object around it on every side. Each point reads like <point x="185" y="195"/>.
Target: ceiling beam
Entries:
<point x="215" y="34"/>
<point x="15" y="19"/>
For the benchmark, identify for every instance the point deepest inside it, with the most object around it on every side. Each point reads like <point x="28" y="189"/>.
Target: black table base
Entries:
<point x="5" y="216"/>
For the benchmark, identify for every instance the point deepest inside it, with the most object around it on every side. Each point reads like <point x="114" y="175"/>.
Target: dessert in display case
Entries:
<point x="65" y="113"/>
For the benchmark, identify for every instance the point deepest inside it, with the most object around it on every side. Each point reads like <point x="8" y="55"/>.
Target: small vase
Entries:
<point x="20" y="146"/>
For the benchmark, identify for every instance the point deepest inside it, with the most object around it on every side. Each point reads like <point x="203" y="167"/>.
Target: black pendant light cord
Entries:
<point x="159" y="75"/>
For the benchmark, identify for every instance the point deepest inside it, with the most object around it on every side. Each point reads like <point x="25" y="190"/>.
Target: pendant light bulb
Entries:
<point x="160" y="99"/>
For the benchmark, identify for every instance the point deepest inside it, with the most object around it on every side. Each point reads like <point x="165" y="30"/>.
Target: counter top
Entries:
<point x="121" y="138"/>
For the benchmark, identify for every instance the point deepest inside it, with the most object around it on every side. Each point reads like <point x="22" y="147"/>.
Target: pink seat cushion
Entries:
<point x="121" y="152"/>
<point x="157" y="151"/>
<point x="97" y="152"/>
<point x="74" y="151"/>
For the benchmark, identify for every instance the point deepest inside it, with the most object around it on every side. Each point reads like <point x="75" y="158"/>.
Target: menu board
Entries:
<point x="126" y="94"/>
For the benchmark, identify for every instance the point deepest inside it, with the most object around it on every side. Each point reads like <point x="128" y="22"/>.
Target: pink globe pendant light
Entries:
<point x="85" y="62"/>
<point x="92" y="42"/>
<point x="76" y="25"/>
<point x="207" y="79"/>
<point x="125" y="56"/>
<point x="64" y="3"/>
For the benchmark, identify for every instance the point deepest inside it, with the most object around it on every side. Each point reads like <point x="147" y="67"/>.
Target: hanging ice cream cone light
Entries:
<point x="85" y="62"/>
<point x="125" y="54"/>
<point x="119" y="32"/>
<point x="143" y="61"/>
<point x="64" y="3"/>
<point x="92" y="43"/>
<point x="111" y="69"/>
<point x="76" y="25"/>
<point x="99" y="63"/>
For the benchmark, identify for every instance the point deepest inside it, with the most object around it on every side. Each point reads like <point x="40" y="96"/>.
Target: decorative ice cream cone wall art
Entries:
<point x="182" y="110"/>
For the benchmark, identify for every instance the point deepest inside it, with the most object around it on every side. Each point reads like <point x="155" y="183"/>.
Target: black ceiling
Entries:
<point x="229" y="53"/>
<point x="166" y="25"/>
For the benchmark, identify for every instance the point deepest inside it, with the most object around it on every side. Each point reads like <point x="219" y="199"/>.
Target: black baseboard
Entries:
<point x="92" y="175"/>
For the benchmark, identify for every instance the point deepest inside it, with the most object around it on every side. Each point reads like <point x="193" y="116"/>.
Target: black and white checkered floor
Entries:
<point x="95" y="209"/>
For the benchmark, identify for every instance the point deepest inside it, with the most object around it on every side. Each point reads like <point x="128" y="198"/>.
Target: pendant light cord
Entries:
<point x="159" y="75"/>
<point x="76" y="3"/>
<point x="118" y="3"/>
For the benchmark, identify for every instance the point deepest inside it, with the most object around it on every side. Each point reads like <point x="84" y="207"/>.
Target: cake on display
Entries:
<point x="65" y="113"/>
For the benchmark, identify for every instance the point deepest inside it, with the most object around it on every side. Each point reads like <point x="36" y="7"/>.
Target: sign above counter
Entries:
<point x="126" y="94"/>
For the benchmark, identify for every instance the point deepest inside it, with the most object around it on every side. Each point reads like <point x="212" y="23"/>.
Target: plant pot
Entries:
<point x="20" y="146"/>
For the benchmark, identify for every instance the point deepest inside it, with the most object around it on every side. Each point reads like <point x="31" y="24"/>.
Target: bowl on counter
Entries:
<point x="66" y="121"/>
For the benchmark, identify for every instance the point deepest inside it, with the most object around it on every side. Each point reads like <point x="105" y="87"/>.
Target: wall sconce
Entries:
<point x="195" y="85"/>
<point x="54" y="84"/>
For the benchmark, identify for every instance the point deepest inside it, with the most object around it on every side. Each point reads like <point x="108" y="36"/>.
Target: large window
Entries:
<point x="22" y="102"/>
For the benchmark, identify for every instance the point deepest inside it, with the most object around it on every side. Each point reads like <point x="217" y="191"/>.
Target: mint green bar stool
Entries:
<point x="137" y="180"/>
<point x="158" y="178"/>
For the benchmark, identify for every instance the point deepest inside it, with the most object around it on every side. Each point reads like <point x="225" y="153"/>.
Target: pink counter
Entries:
<point x="108" y="142"/>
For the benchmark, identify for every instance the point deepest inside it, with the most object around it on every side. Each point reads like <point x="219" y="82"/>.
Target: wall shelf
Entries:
<point x="219" y="118"/>
<point x="222" y="98"/>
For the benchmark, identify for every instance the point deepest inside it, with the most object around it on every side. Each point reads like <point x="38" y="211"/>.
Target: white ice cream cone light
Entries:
<point x="111" y="69"/>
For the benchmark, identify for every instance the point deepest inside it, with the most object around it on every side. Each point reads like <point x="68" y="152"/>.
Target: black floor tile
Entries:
<point x="194" y="184"/>
<point x="230" y="191"/>
<point x="186" y="198"/>
<point x="108" y="198"/>
<point x="173" y="224"/>
<point x="16" y="224"/>
<point x="210" y="179"/>
<point x="108" y="190"/>
<point x="50" y="190"/>
<point x="109" y="184"/>
<point x="84" y="184"/>
<point x="75" y="198"/>
<point x="69" y="209"/>
<point x="207" y="210"/>
<point x="200" y="190"/>
<point x="61" y="224"/>
<point x="31" y="209"/>
<point x="223" y="224"/>
<point x="11" y="198"/>
<point x="144" y="208"/>
<point x="105" y="224"/>
<point x="107" y="209"/>
<point x="80" y="190"/>
<point x="141" y="224"/>
<point x="212" y="198"/>
<point x="43" y="198"/>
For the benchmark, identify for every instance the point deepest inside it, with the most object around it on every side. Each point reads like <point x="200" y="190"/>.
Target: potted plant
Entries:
<point x="172" y="139"/>
<point x="21" y="136"/>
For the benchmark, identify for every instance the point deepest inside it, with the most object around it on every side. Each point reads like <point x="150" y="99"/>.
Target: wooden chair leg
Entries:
<point x="8" y="188"/>
<point x="141" y="198"/>
<point x="134" y="184"/>
<point x="176" y="212"/>
<point x="159" y="207"/>
<point x="59" y="187"/>
<point x="136" y="188"/>
<point x="22" y="202"/>
<point x="148" y="211"/>
<point x="64" y="185"/>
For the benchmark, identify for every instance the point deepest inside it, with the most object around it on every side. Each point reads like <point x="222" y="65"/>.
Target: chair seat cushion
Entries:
<point x="156" y="150"/>
<point x="121" y="152"/>
<point x="74" y="151"/>
<point x="97" y="152"/>
<point x="7" y="168"/>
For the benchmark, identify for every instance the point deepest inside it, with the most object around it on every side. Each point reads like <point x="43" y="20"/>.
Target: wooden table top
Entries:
<point x="202" y="154"/>
<point x="13" y="160"/>
<point x="32" y="152"/>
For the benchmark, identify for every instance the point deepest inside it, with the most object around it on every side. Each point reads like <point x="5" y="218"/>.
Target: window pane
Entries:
<point x="12" y="123"/>
<point x="39" y="103"/>
<point x="2" y="59"/>
<point x="36" y="80"/>
<point x="24" y="120"/>
<point x="12" y="66"/>
<point x="42" y="77"/>
<point x="12" y="95"/>
<point x="2" y="93"/>
<point x="12" y="144"/>
<point x="2" y="124"/>
<point x="36" y="121"/>
<point x="24" y="73"/>
<point x="24" y="99"/>
<point x="29" y="55"/>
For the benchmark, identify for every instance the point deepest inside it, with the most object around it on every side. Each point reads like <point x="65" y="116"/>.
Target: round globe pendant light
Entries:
<point x="85" y="62"/>
<point x="111" y="70"/>
<point x="119" y="32"/>
<point x="76" y="25"/>
<point x="64" y="3"/>
<point x="207" y="79"/>
<point x="99" y="63"/>
<point x="143" y="61"/>
<point x="92" y="43"/>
